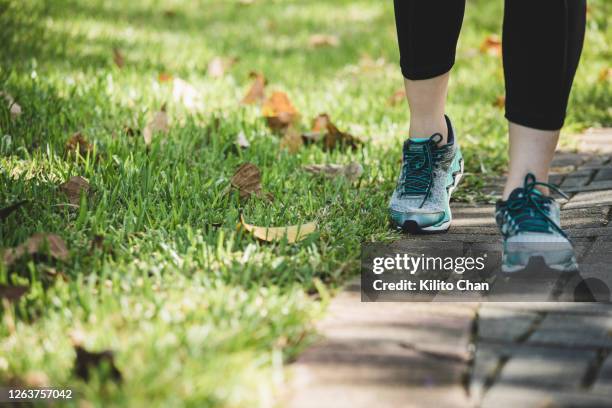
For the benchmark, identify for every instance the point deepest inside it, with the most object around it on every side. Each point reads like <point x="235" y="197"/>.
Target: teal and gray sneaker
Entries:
<point x="531" y="228"/>
<point x="429" y="174"/>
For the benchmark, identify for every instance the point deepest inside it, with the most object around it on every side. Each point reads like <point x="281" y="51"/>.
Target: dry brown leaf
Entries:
<point x="319" y="124"/>
<point x="14" y="108"/>
<point x="351" y="171"/>
<point x="500" y="101"/>
<point x="292" y="140"/>
<point x="256" y="92"/>
<point x="323" y="40"/>
<point x="185" y="93"/>
<point x="293" y="233"/>
<point x="6" y="211"/>
<point x="278" y="111"/>
<point x="332" y="137"/>
<point x="398" y="96"/>
<point x="491" y="45"/>
<point x="242" y="141"/>
<point x="247" y="179"/>
<point x="73" y="187"/>
<point x="78" y="143"/>
<point x="164" y="77"/>
<point x="118" y="57"/>
<point x="12" y="293"/>
<point x="87" y="360"/>
<point x="157" y="124"/>
<point x="605" y="74"/>
<point x="36" y="244"/>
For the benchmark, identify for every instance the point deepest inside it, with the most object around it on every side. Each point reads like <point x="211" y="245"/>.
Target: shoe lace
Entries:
<point x="420" y="160"/>
<point x="529" y="208"/>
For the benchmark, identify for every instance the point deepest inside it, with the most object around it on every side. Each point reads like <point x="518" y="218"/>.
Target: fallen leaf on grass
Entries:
<point x="333" y="137"/>
<point x="247" y="180"/>
<point x="351" y="171"/>
<point x="14" y="108"/>
<point x="185" y="93"/>
<point x="88" y="360"/>
<point x="491" y="45"/>
<point x="78" y="143"/>
<point x="12" y="293"/>
<point x="398" y="96"/>
<point x="164" y="77"/>
<point x="319" y="124"/>
<point x="292" y="141"/>
<point x="6" y="211"/>
<point x="605" y="74"/>
<point x="157" y="124"/>
<point x="256" y="92"/>
<point x="500" y="102"/>
<point x="293" y="233"/>
<point x="39" y="243"/>
<point x="73" y="187"/>
<point x="323" y="40"/>
<point x="118" y="57"/>
<point x="278" y="111"/>
<point x="218" y="65"/>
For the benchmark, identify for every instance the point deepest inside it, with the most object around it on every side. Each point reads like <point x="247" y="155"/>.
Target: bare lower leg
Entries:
<point x="531" y="151"/>
<point x="427" y="101"/>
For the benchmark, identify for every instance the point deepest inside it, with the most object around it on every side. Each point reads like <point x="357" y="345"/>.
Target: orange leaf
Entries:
<point x="278" y="111"/>
<point x="256" y="92"/>
<point x="319" y="124"/>
<point x="491" y="45"/>
<point x="605" y="74"/>
<point x="500" y="102"/>
<point x="164" y="77"/>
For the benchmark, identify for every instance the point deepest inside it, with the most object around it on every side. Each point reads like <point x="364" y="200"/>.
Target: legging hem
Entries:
<point x="420" y="73"/>
<point x="534" y="121"/>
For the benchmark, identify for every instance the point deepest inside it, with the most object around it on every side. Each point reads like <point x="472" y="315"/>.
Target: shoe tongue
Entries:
<point x="520" y="191"/>
<point x="416" y="144"/>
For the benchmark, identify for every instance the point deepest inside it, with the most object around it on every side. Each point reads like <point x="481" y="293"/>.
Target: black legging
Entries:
<point x="542" y="42"/>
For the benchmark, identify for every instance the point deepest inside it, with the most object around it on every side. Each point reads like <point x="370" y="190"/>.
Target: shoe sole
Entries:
<point x="565" y="267"/>
<point x="412" y="227"/>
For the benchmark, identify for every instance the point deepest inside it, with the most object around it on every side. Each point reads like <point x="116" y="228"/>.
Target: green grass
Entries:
<point x="198" y="313"/>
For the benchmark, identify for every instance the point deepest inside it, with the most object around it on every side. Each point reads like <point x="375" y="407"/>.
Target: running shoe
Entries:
<point x="531" y="228"/>
<point x="429" y="174"/>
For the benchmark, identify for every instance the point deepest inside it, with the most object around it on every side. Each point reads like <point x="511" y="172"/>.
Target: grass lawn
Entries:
<point x="196" y="312"/>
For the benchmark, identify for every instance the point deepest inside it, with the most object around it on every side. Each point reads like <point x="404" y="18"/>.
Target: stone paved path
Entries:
<point x="469" y="354"/>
